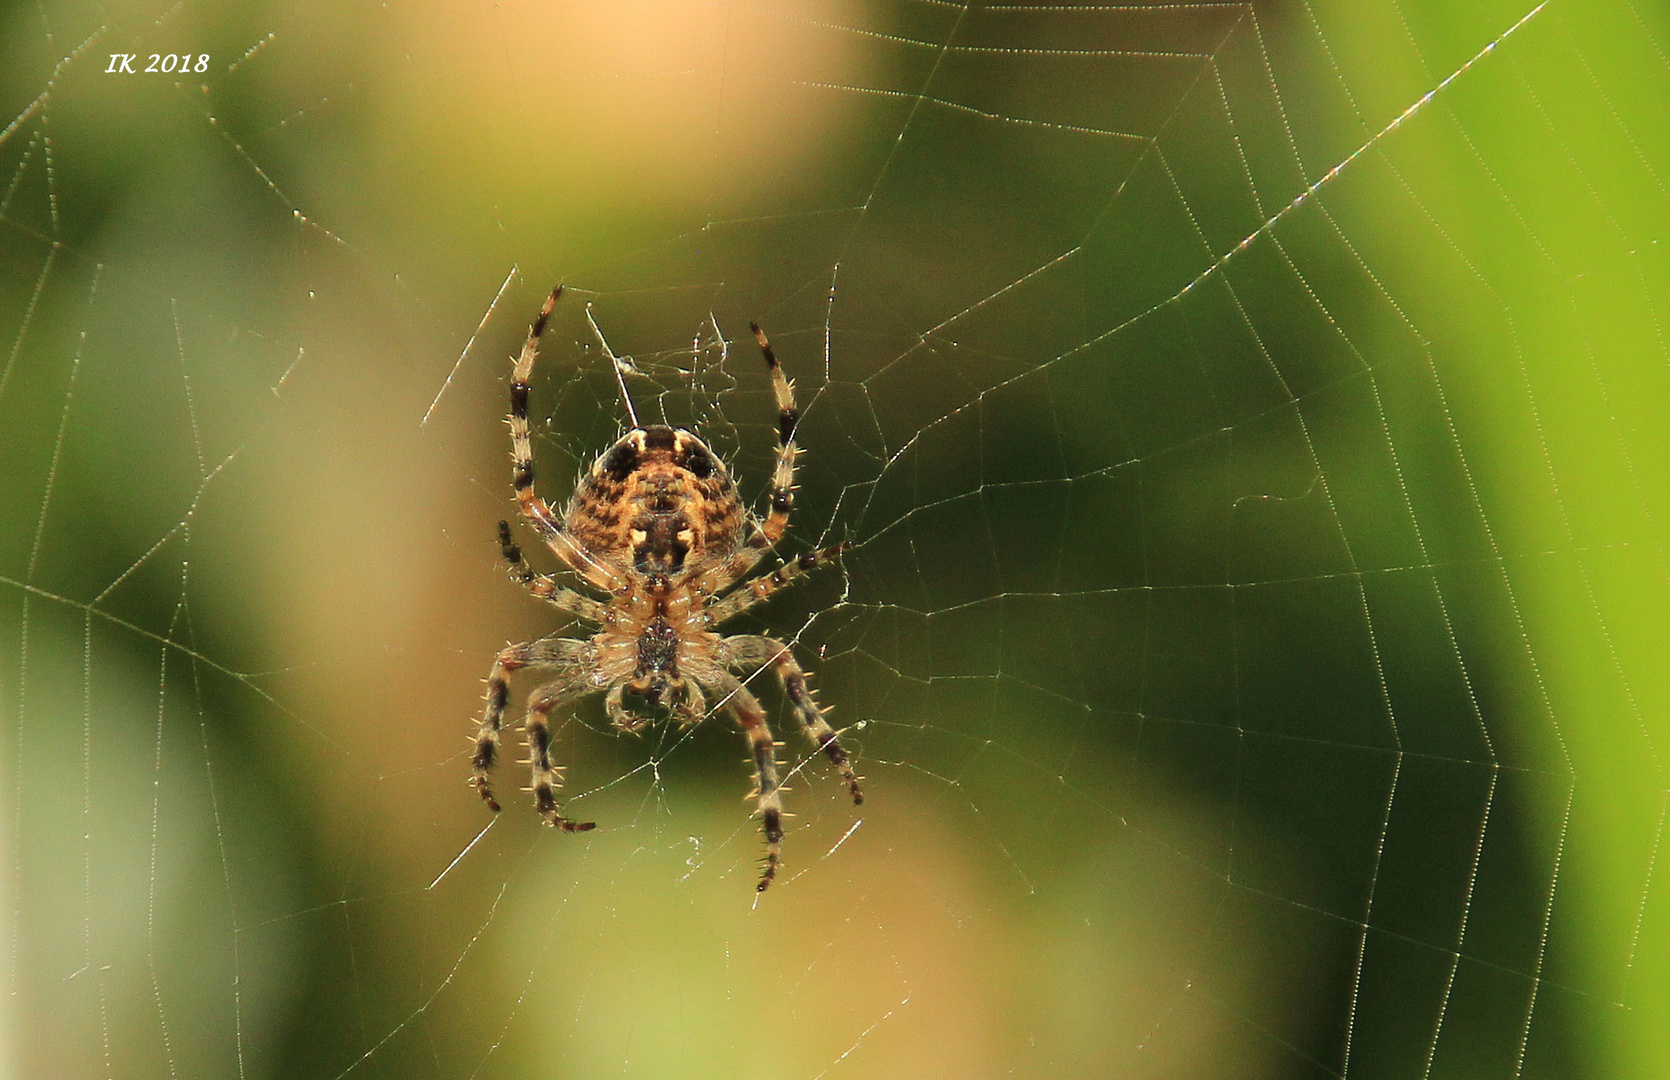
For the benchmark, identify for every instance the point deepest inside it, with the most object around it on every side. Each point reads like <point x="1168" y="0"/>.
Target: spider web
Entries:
<point x="1247" y="419"/>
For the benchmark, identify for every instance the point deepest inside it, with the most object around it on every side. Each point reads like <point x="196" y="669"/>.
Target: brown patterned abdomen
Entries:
<point x="657" y="502"/>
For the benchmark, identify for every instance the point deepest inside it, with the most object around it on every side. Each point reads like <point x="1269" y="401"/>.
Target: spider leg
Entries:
<point x="767" y="532"/>
<point x="750" y="650"/>
<point x="767" y="794"/>
<point x="545" y="586"/>
<point x="782" y="477"/>
<point x="547" y="652"/>
<point x="534" y="508"/>
<point x="546" y="777"/>
<point x="761" y="587"/>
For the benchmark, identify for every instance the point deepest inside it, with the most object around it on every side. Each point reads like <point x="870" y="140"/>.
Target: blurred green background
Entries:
<point x="1249" y="419"/>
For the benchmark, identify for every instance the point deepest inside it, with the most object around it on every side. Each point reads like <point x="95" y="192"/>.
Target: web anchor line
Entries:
<point x="1328" y="177"/>
<point x="468" y="345"/>
<point x="619" y="365"/>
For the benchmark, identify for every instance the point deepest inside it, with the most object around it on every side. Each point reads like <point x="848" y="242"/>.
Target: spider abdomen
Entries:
<point x="657" y="502"/>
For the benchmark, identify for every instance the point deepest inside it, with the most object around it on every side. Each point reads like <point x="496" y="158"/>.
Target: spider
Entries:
<point x="656" y="523"/>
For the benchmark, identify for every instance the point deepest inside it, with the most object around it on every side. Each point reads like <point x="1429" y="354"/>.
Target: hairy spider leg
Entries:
<point x="545" y="586"/>
<point x="782" y="476"/>
<point x="756" y="591"/>
<point x="781" y="496"/>
<point x="546" y="777"/>
<point x="546" y="652"/>
<point x="812" y="718"/>
<point x="755" y="651"/>
<point x="534" y="508"/>
<point x="767" y="793"/>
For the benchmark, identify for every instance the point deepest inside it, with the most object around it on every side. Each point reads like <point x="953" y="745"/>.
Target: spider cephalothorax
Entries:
<point x="656" y="523"/>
